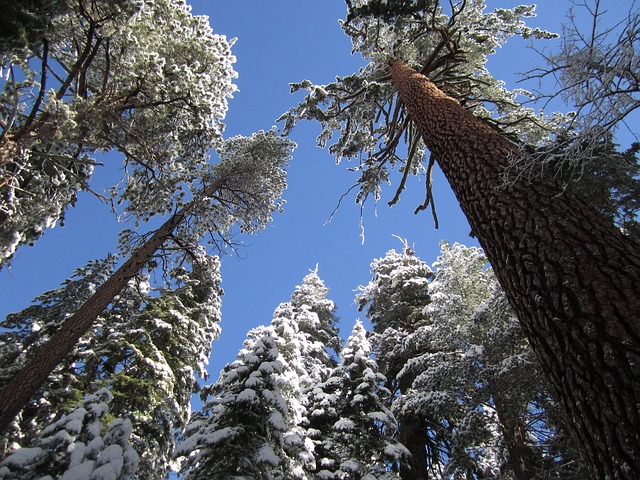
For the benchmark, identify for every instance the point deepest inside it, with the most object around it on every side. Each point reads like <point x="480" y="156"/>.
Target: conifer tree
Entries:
<point x="301" y="333"/>
<point x="315" y="316"/>
<point x="78" y="446"/>
<point x="240" y="431"/>
<point x="145" y="79"/>
<point x="470" y="401"/>
<point x="350" y="424"/>
<point x="395" y="299"/>
<point x="243" y="189"/>
<point x="146" y="350"/>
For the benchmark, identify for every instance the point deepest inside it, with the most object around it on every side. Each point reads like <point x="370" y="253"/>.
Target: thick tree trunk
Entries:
<point x="26" y="383"/>
<point x="572" y="278"/>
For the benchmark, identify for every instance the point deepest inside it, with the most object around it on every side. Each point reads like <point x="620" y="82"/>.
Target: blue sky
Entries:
<point x="281" y="41"/>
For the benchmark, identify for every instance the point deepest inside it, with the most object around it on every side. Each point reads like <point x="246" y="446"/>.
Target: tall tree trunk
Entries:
<point x="412" y="433"/>
<point x="572" y="278"/>
<point x="26" y="383"/>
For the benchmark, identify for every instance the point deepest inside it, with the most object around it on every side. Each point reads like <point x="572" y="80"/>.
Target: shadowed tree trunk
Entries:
<point x="26" y="383"/>
<point x="412" y="433"/>
<point x="572" y="277"/>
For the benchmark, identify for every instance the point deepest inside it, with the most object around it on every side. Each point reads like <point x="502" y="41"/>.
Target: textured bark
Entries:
<point x="572" y="277"/>
<point x="26" y="383"/>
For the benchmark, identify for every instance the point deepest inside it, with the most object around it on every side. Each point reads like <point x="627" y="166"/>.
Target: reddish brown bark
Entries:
<point x="572" y="277"/>
<point x="26" y="383"/>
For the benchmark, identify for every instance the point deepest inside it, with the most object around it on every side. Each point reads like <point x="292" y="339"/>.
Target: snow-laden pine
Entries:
<point x="362" y="118"/>
<point x="85" y="444"/>
<point x="273" y="384"/>
<point x="351" y="425"/>
<point x="240" y="431"/>
<point x="145" y="79"/>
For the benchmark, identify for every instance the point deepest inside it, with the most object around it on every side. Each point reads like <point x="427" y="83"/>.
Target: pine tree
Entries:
<point x="569" y="274"/>
<point x="245" y="191"/>
<point x="317" y="319"/>
<point x="349" y="422"/>
<point x="299" y="336"/>
<point x="307" y="341"/>
<point x="490" y="409"/>
<point x="395" y="299"/>
<point x="469" y="399"/>
<point x="146" y="79"/>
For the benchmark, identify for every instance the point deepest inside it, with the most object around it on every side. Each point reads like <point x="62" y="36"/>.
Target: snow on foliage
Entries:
<point x="462" y="368"/>
<point x="150" y="371"/>
<point x="154" y="88"/>
<point x="266" y="387"/>
<point x="351" y="427"/>
<point x="359" y="114"/>
<point x="232" y="436"/>
<point x="75" y="447"/>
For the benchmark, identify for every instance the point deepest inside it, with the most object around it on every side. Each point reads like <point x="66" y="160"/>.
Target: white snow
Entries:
<point x="80" y="472"/>
<point x="267" y="455"/>
<point x="24" y="456"/>
<point x="247" y="395"/>
<point x="344" y="425"/>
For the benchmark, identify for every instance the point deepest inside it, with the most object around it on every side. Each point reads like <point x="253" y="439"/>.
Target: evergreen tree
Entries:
<point x="146" y="79"/>
<point x="244" y="190"/>
<point x="470" y="401"/>
<point x="569" y="274"/>
<point x="350" y="424"/>
<point x="146" y="350"/>
<point x="395" y="299"/>
<point x="490" y="412"/>
<point x="240" y="431"/>
<point x="78" y="446"/>
<point x="300" y="333"/>
<point x="317" y="319"/>
<point x="25" y="331"/>
<point x="593" y="71"/>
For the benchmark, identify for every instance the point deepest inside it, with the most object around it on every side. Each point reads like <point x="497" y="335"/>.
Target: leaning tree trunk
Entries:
<point x="26" y="383"/>
<point x="572" y="277"/>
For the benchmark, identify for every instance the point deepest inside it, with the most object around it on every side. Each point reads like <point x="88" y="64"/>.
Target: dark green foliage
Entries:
<point x="146" y="351"/>
<point x="610" y="181"/>
<point x="25" y="23"/>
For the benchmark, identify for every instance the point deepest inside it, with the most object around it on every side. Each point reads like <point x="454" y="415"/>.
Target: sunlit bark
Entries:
<point x="572" y="278"/>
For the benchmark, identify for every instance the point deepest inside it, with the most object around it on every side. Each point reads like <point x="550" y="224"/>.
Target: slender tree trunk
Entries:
<point x="572" y="277"/>
<point x="26" y="383"/>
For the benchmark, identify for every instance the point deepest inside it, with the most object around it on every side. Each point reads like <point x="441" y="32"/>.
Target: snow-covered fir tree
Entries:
<point x="240" y="431"/>
<point x="395" y="299"/>
<point x="304" y="334"/>
<point x="147" y="350"/>
<point x="350" y="424"/>
<point x="470" y="395"/>
<point x="86" y="444"/>
<point x="317" y="320"/>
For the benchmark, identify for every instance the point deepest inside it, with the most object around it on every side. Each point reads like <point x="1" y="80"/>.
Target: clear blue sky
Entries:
<point x="281" y="41"/>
